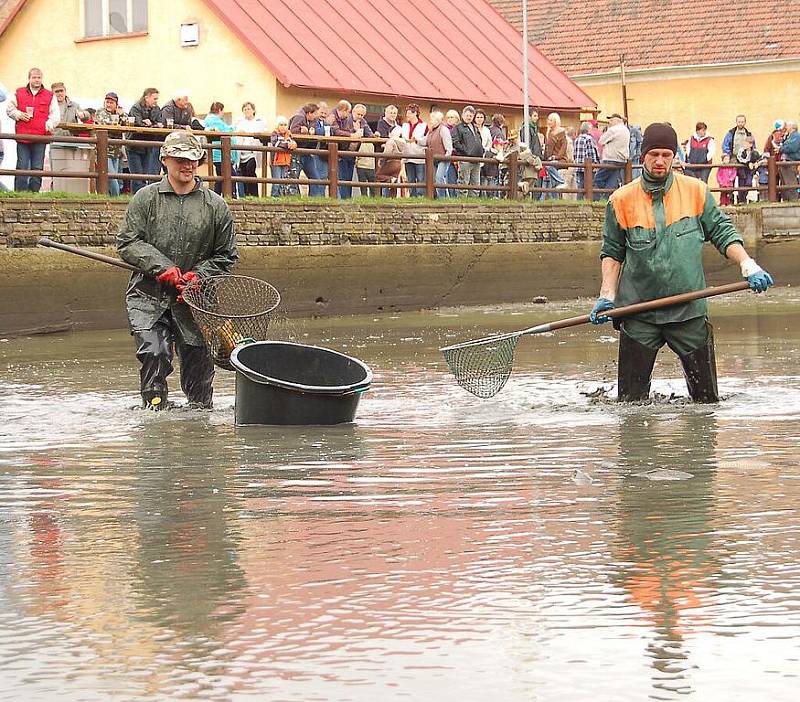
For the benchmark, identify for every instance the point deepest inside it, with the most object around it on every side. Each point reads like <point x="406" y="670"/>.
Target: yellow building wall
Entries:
<point x="714" y="98"/>
<point x="44" y="34"/>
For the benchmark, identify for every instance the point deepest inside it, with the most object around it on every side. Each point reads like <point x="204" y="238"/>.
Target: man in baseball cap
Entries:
<point x="176" y="232"/>
<point x="653" y="237"/>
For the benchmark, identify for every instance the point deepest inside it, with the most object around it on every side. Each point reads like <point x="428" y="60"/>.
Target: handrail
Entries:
<point x="335" y="149"/>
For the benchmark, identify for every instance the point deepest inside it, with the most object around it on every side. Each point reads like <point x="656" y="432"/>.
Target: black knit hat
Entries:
<point x="659" y="135"/>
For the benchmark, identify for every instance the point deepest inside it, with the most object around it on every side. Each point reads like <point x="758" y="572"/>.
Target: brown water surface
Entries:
<point x="543" y="545"/>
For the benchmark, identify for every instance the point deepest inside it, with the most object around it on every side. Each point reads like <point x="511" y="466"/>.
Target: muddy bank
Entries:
<point x="44" y="290"/>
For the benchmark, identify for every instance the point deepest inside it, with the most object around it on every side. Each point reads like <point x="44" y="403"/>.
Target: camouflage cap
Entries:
<point x="182" y="144"/>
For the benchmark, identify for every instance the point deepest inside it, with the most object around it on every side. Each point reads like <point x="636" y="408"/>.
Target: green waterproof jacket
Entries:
<point x="162" y="229"/>
<point x="657" y="231"/>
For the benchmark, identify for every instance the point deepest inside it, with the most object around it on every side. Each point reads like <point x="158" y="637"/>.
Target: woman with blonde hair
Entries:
<point x="555" y="149"/>
<point x="451" y="119"/>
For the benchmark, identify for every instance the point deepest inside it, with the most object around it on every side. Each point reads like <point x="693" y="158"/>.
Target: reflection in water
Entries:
<point x="188" y="572"/>
<point x="665" y="530"/>
<point x="438" y="549"/>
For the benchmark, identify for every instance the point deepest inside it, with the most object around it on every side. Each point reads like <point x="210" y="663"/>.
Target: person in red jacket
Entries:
<point x="35" y="110"/>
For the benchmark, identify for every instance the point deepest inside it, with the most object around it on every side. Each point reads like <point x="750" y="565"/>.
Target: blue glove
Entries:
<point x="758" y="279"/>
<point x="601" y="305"/>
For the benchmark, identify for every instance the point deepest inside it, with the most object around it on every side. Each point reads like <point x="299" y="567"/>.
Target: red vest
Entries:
<point x="41" y="110"/>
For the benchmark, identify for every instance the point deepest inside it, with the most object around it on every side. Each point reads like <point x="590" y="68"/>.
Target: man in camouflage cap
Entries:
<point x="183" y="145"/>
<point x="175" y="231"/>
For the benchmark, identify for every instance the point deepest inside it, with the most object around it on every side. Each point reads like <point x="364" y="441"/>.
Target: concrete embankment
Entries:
<point x="328" y="259"/>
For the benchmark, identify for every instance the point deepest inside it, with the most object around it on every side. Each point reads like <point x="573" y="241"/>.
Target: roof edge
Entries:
<point x="14" y="12"/>
<point x="435" y="100"/>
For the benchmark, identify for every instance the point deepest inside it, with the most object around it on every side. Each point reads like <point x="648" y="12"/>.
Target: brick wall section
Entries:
<point x="308" y="223"/>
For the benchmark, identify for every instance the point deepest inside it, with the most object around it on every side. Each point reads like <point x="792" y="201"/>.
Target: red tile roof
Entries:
<point x="446" y="52"/>
<point x="588" y="36"/>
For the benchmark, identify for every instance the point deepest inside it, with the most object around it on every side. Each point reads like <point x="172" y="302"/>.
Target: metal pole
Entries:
<point x="525" y="131"/>
<point x="624" y="87"/>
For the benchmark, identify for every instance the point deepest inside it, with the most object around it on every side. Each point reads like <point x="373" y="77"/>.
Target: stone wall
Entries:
<point x="330" y="260"/>
<point x="307" y="222"/>
<point x="310" y="223"/>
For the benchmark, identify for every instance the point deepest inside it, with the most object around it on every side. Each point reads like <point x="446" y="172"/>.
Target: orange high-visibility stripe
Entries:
<point x="633" y="207"/>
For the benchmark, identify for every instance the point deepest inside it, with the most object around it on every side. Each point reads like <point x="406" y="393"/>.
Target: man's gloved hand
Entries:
<point x="186" y="280"/>
<point x="758" y="279"/>
<point x="602" y="305"/>
<point x="171" y="276"/>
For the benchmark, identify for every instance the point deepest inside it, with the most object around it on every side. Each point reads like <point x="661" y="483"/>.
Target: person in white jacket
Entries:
<point x="616" y="144"/>
<point x="249" y="161"/>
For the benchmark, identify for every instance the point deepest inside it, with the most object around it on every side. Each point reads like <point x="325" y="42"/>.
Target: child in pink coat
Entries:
<point x="726" y="177"/>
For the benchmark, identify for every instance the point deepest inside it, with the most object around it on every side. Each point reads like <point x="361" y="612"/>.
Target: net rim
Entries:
<point x="269" y="287"/>
<point x="480" y="342"/>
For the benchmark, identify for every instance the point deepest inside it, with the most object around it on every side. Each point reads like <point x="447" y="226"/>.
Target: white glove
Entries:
<point x="749" y="266"/>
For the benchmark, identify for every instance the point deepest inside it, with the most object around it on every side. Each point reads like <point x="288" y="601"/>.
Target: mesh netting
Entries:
<point x="482" y="367"/>
<point x="229" y="308"/>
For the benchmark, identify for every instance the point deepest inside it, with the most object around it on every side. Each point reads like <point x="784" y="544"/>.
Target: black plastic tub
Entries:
<point x="278" y="382"/>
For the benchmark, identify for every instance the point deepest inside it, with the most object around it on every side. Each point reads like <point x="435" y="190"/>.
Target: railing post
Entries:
<point x="227" y="166"/>
<point x="102" y="161"/>
<point x="333" y="169"/>
<point x="772" y="179"/>
<point x="628" y="176"/>
<point x="265" y="189"/>
<point x="588" y="179"/>
<point x="513" y="176"/>
<point x="430" y="174"/>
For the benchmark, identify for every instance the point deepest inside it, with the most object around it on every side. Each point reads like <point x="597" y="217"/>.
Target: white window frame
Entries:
<point x="104" y="10"/>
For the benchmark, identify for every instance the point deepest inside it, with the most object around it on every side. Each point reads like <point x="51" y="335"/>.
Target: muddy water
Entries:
<point x="545" y="544"/>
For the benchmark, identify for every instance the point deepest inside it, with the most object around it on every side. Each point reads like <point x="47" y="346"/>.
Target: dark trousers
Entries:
<point x="699" y="173"/>
<point x="218" y="184"/>
<point x="367" y="175"/>
<point x="321" y="164"/>
<point x="248" y="170"/>
<point x="346" y="167"/>
<point x="30" y="157"/>
<point x="692" y="340"/>
<point x="144" y="161"/>
<point x="415" y="173"/>
<point x="744" y="179"/>
<point x="607" y="178"/>
<point x="789" y="177"/>
<point x="154" y="349"/>
<point x="309" y="162"/>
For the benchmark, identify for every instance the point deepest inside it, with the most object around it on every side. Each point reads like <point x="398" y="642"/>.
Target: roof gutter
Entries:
<point x="686" y="68"/>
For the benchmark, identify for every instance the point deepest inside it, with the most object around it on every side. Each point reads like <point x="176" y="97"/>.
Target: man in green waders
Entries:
<point x="175" y="231"/>
<point x="653" y="237"/>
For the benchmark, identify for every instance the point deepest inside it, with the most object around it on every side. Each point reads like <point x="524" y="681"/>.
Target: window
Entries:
<point x="109" y="18"/>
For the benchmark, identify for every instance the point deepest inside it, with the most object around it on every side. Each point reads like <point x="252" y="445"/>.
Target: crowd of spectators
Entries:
<point x="552" y="158"/>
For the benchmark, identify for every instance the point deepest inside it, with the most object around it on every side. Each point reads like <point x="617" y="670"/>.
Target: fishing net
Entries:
<point x="482" y="367"/>
<point x="229" y="309"/>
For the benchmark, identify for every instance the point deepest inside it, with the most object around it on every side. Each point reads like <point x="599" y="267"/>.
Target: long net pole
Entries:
<point x="525" y="136"/>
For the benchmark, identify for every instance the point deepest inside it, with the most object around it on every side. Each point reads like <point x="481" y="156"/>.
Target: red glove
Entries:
<point x="187" y="279"/>
<point x="172" y="276"/>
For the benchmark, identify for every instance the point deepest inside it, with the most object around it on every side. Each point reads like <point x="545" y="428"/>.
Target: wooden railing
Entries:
<point x="510" y="187"/>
